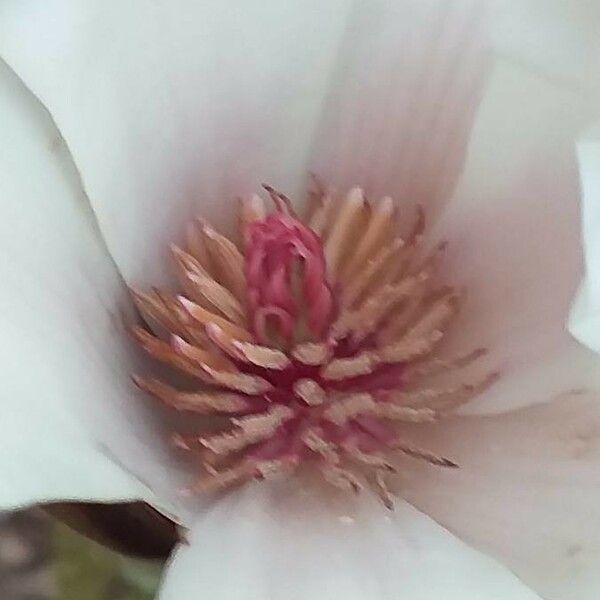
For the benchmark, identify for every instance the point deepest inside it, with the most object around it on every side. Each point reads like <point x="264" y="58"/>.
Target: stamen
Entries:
<point x="257" y="424"/>
<point x="443" y="397"/>
<point x="419" y="454"/>
<point x="313" y="439"/>
<point x="261" y="356"/>
<point x="310" y="391"/>
<point x="355" y="288"/>
<point x="276" y="469"/>
<point x="254" y="354"/>
<point x="197" y="248"/>
<point x="204" y="289"/>
<point x="466" y="393"/>
<point x="349" y="407"/>
<point x="432" y="262"/>
<point x="372" y="460"/>
<point x="240" y="382"/>
<point x="160" y="350"/>
<point x="313" y="354"/>
<point x="407" y="315"/>
<point x="344" y="368"/>
<point x="343" y="230"/>
<point x="382" y="490"/>
<point x="205" y="317"/>
<point x="436" y="317"/>
<point x="201" y="357"/>
<point x="252" y="210"/>
<point x="435" y="366"/>
<point x="368" y="317"/>
<point x="322" y="216"/>
<point x="339" y="477"/>
<point x="185" y="443"/>
<point x="219" y="480"/>
<point x="408" y="348"/>
<point x="199" y="402"/>
<point x="406" y="414"/>
<point x="249" y="430"/>
<point x="151" y="306"/>
<point x="379" y="228"/>
<point x="228" y="261"/>
<point x="418" y="229"/>
<point x="317" y="191"/>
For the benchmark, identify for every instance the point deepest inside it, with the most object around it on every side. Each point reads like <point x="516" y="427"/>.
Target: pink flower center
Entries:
<point x="305" y="371"/>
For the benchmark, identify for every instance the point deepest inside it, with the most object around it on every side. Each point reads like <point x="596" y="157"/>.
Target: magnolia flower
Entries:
<point x="122" y="122"/>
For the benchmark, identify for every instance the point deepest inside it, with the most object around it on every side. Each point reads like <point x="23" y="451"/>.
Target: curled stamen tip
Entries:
<point x="182" y="300"/>
<point x="137" y="380"/>
<point x="272" y="191"/>
<point x="179" y="442"/>
<point x="186" y="304"/>
<point x="207" y="444"/>
<point x="177" y="343"/>
<point x="282" y="202"/>
<point x="210" y="469"/>
<point x="207" y="229"/>
<point x="356" y="195"/>
<point x="135" y="292"/>
<point x="212" y="329"/>
<point x="207" y="369"/>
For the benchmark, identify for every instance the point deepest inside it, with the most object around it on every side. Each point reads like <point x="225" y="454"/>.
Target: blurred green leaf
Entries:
<point x="87" y="571"/>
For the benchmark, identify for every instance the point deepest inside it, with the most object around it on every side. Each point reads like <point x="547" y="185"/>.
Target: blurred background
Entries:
<point x="42" y="559"/>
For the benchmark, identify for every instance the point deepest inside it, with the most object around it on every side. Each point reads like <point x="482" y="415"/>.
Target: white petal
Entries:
<point x="390" y="87"/>
<point x="514" y="232"/>
<point x="513" y="222"/>
<point x="555" y="38"/>
<point x="403" y="97"/>
<point x="584" y="321"/>
<point x="172" y="108"/>
<point x="527" y="491"/>
<point x="279" y="541"/>
<point x="411" y="75"/>
<point x="66" y="426"/>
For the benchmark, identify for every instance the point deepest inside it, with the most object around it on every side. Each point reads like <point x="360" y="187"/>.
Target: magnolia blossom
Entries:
<point x="122" y="122"/>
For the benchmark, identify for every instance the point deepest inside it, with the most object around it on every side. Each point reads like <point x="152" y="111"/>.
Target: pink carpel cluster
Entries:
<point x="276" y="249"/>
